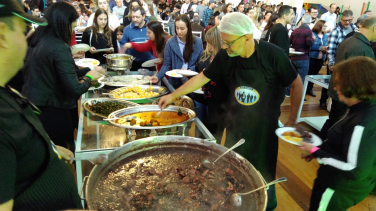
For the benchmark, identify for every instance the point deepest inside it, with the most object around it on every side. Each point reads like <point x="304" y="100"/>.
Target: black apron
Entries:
<point x="252" y="113"/>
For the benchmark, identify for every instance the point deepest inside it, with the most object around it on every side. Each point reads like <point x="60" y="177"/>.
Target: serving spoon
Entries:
<point x="96" y="159"/>
<point x="236" y="199"/>
<point x="207" y="164"/>
<point x="126" y="118"/>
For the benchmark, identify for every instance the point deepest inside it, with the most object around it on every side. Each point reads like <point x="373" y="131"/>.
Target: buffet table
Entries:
<point x="96" y="136"/>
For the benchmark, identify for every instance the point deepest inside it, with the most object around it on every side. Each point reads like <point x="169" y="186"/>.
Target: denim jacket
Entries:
<point x="315" y="48"/>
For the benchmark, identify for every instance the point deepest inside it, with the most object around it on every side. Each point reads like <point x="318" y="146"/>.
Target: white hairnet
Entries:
<point x="236" y="23"/>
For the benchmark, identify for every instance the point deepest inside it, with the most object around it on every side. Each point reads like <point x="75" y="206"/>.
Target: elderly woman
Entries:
<point x="347" y="173"/>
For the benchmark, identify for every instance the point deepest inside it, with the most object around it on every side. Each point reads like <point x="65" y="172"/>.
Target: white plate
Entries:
<point x="316" y="141"/>
<point x="199" y="91"/>
<point x="87" y="62"/>
<point x="186" y="72"/>
<point x="104" y="49"/>
<point x="150" y="63"/>
<point x="80" y="47"/>
<point x="296" y="52"/>
<point x="174" y="74"/>
<point x="99" y="81"/>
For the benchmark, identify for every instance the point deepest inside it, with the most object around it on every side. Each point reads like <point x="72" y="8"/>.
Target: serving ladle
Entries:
<point x="236" y="199"/>
<point x="95" y="159"/>
<point x="207" y="164"/>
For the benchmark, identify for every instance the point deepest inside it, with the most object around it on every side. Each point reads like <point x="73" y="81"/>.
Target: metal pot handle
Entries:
<point x="82" y="187"/>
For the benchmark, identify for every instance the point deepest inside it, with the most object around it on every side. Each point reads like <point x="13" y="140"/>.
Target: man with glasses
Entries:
<point x="357" y="45"/>
<point x="33" y="174"/>
<point x="248" y="67"/>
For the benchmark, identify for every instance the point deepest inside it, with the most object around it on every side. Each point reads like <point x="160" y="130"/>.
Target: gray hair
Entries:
<point x="196" y="19"/>
<point x="306" y="19"/>
<point x="347" y="13"/>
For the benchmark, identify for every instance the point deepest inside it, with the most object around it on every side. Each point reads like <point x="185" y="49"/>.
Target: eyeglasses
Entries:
<point x="348" y="20"/>
<point x="228" y="45"/>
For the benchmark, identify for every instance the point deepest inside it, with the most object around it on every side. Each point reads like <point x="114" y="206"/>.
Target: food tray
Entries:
<point x="147" y="108"/>
<point x="86" y="104"/>
<point x="125" y="80"/>
<point x="143" y="100"/>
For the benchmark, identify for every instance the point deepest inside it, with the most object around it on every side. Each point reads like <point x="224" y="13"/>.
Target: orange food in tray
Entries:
<point x="150" y="119"/>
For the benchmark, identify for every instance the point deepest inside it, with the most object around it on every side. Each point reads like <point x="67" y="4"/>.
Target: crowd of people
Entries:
<point x="245" y="70"/>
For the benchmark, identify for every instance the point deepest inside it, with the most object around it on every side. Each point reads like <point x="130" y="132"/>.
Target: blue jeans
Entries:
<point x="302" y="66"/>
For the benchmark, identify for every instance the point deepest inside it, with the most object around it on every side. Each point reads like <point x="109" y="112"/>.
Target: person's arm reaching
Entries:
<point x="296" y="99"/>
<point x="332" y="47"/>
<point x="190" y="86"/>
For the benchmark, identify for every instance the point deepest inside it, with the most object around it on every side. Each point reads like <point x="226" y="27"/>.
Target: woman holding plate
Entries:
<point x="100" y="36"/>
<point x="347" y="173"/>
<point x="182" y="51"/>
<point x="156" y="43"/>
<point x="50" y="73"/>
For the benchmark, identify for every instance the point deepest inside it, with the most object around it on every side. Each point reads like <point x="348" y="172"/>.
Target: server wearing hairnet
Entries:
<point x="255" y="75"/>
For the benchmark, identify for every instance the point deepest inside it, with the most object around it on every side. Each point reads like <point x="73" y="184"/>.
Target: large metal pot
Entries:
<point x="119" y="60"/>
<point x="144" y="146"/>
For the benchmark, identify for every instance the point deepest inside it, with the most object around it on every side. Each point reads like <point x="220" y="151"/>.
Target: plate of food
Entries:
<point x="186" y="72"/>
<point x="96" y="84"/>
<point x="104" y="106"/>
<point x="146" y="117"/>
<point x="150" y="63"/>
<point x="80" y="47"/>
<point x="125" y="80"/>
<point x="87" y="62"/>
<point x="139" y="94"/>
<point x="296" y="135"/>
<point x="174" y="74"/>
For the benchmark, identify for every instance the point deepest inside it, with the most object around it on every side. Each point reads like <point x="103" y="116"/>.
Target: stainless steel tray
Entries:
<point x="143" y="100"/>
<point x="88" y="103"/>
<point x="116" y="80"/>
<point x="145" y="108"/>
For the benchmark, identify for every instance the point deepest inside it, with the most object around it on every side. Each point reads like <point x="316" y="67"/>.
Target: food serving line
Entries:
<point x="150" y="163"/>
<point x="96" y="136"/>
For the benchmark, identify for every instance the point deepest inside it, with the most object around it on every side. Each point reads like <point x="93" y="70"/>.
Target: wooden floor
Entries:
<point x="294" y="195"/>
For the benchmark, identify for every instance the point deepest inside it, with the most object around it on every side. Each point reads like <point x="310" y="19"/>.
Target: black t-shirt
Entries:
<point x="99" y="42"/>
<point x="30" y="171"/>
<point x="279" y="36"/>
<point x="255" y="90"/>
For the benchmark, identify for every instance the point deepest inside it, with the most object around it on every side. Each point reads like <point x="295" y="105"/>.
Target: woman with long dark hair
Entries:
<point x="156" y="43"/>
<point x="271" y="22"/>
<point x="182" y="51"/>
<point x="99" y="36"/>
<point x="265" y="21"/>
<point x="51" y="79"/>
<point x="226" y="9"/>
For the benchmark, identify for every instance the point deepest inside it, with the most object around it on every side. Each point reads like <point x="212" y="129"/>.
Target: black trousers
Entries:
<point x="324" y="92"/>
<point x="336" y="112"/>
<point x="314" y="68"/>
<point x="58" y="124"/>
<point x="137" y="65"/>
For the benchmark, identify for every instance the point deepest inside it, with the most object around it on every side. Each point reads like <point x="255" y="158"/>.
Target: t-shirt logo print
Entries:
<point x="246" y="95"/>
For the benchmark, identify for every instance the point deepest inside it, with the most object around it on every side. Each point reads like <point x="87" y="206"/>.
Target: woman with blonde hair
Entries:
<point x="209" y="103"/>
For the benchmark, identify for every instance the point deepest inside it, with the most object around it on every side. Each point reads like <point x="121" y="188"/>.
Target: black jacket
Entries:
<point x="347" y="157"/>
<point x="50" y="75"/>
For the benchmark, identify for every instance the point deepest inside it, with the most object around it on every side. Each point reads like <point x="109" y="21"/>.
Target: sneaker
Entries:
<point x="287" y="95"/>
<point x="323" y="106"/>
<point x="310" y="93"/>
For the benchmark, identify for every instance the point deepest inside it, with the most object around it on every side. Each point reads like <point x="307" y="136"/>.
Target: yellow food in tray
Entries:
<point x="151" y="119"/>
<point x="292" y="136"/>
<point x="134" y="92"/>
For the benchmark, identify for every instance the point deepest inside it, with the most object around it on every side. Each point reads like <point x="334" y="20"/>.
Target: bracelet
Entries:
<point x="89" y="76"/>
<point x="313" y="150"/>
